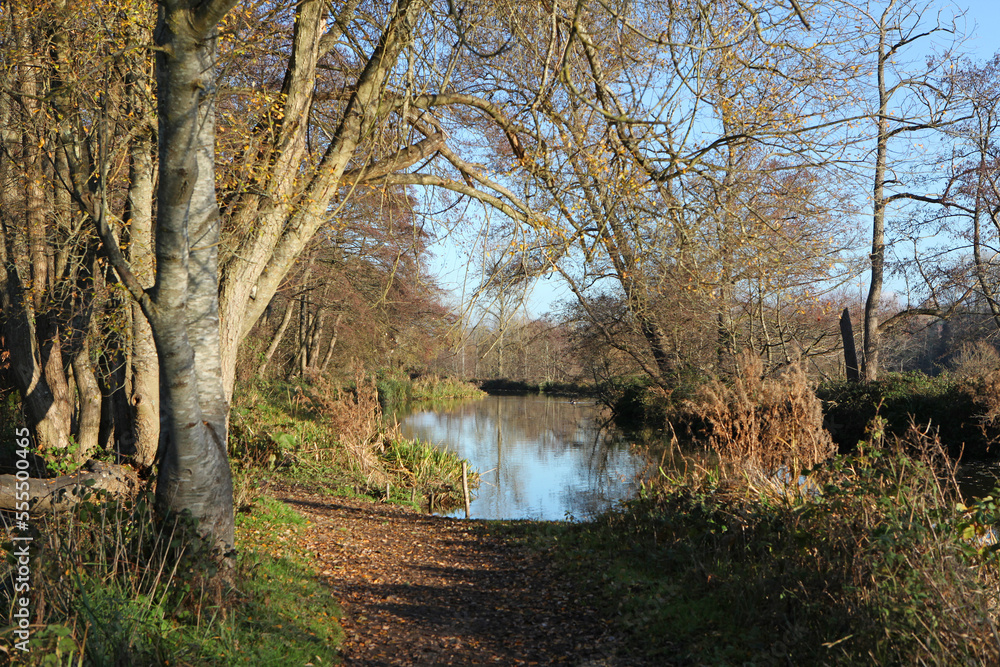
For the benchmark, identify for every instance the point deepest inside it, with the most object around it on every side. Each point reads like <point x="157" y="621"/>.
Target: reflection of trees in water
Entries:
<point x="514" y="439"/>
<point x="612" y="470"/>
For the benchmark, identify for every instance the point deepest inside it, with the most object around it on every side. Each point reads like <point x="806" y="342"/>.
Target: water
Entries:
<point x="539" y="457"/>
<point x="977" y="479"/>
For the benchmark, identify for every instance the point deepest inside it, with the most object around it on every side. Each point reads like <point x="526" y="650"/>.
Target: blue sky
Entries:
<point x="452" y="267"/>
<point x="986" y="15"/>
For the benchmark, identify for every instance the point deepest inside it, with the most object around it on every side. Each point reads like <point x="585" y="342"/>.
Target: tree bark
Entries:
<point x="144" y="397"/>
<point x="63" y="493"/>
<point x="89" y="424"/>
<point x="183" y="308"/>
<point x="333" y="343"/>
<point x="286" y="224"/>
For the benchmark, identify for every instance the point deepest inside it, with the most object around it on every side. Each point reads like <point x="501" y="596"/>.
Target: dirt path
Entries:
<point x="423" y="590"/>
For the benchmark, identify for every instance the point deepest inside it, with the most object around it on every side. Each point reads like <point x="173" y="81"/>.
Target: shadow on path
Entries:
<point x="427" y="590"/>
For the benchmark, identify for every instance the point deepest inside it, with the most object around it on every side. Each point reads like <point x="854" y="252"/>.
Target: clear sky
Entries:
<point x="452" y="267"/>
<point x="984" y="17"/>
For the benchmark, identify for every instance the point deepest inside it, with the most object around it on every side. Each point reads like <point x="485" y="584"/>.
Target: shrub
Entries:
<point x="975" y="360"/>
<point x="963" y="411"/>
<point x="634" y="400"/>
<point x="763" y="423"/>
<point x="394" y="390"/>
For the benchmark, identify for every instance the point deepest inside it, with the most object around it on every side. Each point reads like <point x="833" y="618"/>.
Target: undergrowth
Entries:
<point x="335" y="439"/>
<point x="882" y="566"/>
<point x="767" y="423"/>
<point x="727" y="558"/>
<point x="964" y="409"/>
<point x="110" y="589"/>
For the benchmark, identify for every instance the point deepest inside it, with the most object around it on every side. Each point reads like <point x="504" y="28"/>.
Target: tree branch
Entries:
<point x="401" y="159"/>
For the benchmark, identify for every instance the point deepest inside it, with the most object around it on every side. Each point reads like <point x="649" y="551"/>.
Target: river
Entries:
<point x="539" y="457"/>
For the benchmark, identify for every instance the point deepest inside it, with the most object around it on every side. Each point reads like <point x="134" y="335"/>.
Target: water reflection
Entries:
<point x="539" y="457"/>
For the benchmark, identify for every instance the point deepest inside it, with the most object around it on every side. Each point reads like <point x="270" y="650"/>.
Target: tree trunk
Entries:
<point x="333" y="344"/>
<point x="144" y="397"/>
<point x="183" y="308"/>
<point x="89" y="392"/>
<point x="286" y="225"/>
<point x="872" y="333"/>
<point x="315" y="338"/>
<point x="870" y="361"/>
<point x="983" y="266"/>
<point x="278" y="335"/>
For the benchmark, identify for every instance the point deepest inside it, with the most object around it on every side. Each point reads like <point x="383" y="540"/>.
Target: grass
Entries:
<point x="882" y="567"/>
<point x="436" y="388"/>
<point x="870" y="558"/>
<point x="334" y="439"/>
<point x="109" y="590"/>
<point x="397" y="389"/>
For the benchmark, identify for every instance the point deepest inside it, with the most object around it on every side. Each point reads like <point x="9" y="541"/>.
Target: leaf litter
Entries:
<point x="428" y="590"/>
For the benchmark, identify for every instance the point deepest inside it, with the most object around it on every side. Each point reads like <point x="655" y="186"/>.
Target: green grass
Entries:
<point x="876" y="570"/>
<point x="115" y="595"/>
<point x="278" y="431"/>
<point x="289" y="617"/>
<point x="117" y="591"/>
<point x="435" y="471"/>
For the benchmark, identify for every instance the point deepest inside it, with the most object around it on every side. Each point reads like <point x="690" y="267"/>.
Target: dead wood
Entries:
<point x="64" y="492"/>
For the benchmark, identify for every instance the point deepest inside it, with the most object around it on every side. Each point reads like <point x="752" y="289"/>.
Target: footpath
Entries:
<point x="426" y="590"/>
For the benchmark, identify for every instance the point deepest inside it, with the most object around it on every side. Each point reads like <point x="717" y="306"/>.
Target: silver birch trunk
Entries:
<point x="183" y="306"/>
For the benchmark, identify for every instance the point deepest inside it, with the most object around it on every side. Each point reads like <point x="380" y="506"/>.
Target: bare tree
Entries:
<point x="908" y="100"/>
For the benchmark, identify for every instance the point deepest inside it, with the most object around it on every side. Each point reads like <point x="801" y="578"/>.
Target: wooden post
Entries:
<point x="465" y="486"/>
<point x="850" y="351"/>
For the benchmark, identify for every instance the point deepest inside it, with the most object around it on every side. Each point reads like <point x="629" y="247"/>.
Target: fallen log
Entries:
<point x="65" y="492"/>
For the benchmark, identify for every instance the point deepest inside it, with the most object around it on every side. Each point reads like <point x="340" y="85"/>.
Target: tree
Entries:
<point x="652" y="181"/>
<point x="59" y="299"/>
<point x="358" y="292"/>
<point x="182" y="306"/>
<point x="71" y="116"/>
<point x="908" y="100"/>
<point x="973" y="206"/>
